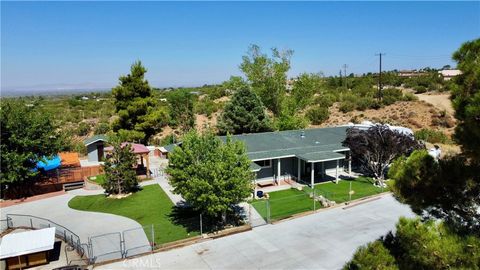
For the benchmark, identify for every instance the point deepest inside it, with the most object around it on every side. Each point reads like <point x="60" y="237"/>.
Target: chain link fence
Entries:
<point x="61" y="232"/>
<point x="282" y="204"/>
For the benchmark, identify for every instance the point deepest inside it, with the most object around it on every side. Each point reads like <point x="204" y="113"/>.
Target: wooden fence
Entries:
<point x="68" y="175"/>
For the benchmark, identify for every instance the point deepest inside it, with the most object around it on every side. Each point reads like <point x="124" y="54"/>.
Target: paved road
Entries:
<point x="325" y="240"/>
<point x="84" y="224"/>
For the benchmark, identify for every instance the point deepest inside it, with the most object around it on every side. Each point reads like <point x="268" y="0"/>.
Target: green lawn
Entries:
<point x="285" y="203"/>
<point x="99" y="179"/>
<point x="362" y="187"/>
<point x="148" y="206"/>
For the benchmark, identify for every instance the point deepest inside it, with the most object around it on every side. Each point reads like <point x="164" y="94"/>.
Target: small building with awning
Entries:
<point x="27" y="249"/>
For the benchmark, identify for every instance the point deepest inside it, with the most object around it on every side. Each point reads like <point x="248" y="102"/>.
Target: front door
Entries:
<point x="100" y="152"/>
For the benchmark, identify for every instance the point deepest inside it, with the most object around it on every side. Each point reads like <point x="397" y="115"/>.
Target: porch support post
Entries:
<point x="255" y="186"/>
<point x="336" y="173"/>
<point x="147" y="159"/>
<point x="323" y="169"/>
<point x="349" y="163"/>
<point x="299" y="164"/>
<point x="312" y="174"/>
<point x="278" y="171"/>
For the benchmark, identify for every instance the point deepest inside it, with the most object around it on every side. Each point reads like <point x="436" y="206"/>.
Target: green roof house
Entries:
<point x="301" y="155"/>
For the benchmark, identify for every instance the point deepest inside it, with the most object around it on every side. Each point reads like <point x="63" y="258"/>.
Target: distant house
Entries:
<point x="410" y="73"/>
<point x="448" y="74"/>
<point x="95" y="147"/>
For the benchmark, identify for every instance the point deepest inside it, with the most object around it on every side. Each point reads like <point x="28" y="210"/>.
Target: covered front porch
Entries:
<point x="301" y="169"/>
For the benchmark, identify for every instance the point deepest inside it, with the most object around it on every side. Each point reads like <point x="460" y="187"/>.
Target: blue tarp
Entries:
<point x="49" y="164"/>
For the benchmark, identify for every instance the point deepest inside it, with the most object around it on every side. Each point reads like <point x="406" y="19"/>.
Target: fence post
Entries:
<point x="153" y="237"/>
<point x="268" y="210"/>
<point x="201" y="226"/>
<point x="350" y="192"/>
<point x="31" y="223"/>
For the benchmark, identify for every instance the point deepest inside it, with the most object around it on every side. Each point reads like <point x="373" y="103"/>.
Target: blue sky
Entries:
<point x="89" y="44"/>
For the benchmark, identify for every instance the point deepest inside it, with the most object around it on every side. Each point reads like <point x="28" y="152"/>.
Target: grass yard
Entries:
<point x="99" y="179"/>
<point x="148" y="206"/>
<point x="362" y="187"/>
<point x="285" y="203"/>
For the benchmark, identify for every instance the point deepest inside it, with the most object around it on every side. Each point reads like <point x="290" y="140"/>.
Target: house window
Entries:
<point x="264" y="163"/>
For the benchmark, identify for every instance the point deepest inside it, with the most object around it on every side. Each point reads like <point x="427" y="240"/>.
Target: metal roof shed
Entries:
<point x="27" y="249"/>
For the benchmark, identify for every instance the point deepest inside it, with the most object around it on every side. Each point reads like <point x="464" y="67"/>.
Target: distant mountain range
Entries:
<point x="49" y="92"/>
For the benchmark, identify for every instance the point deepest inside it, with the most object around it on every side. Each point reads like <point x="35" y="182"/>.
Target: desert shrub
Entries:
<point x="206" y="106"/>
<point x="83" y="129"/>
<point x="391" y="95"/>
<point x="364" y="103"/>
<point x="102" y="128"/>
<point x="420" y="89"/>
<point x="347" y="106"/>
<point x="326" y="100"/>
<point x="409" y="97"/>
<point x="318" y="115"/>
<point x="432" y="136"/>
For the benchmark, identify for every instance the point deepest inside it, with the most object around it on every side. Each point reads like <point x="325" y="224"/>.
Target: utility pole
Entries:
<point x="345" y="74"/>
<point x="380" y="77"/>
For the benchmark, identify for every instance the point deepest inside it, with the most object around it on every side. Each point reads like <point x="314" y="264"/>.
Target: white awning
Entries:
<point x="17" y="244"/>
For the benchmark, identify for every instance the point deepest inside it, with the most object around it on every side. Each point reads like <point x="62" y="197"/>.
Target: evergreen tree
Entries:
<point x="135" y="106"/>
<point x="446" y="193"/>
<point x="244" y="114"/>
<point x="120" y="174"/>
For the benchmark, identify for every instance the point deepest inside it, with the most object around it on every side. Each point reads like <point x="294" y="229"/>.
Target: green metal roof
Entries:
<point x="254" y="167"/>
<point x="320" y="156"/>
<point x="95" y="138"/>
<point x="291" y="143"/>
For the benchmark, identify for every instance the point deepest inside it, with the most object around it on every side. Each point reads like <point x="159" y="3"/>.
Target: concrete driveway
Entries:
<point x="325" y="240"/>
<point x="84" y="224"/>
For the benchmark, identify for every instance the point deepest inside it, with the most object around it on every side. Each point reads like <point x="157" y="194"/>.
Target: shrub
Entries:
<point x="409" y="97"/>
<point x="318" y="115"/>
<point x="391" y="95"/>
<point x="364" y="103"/>
<point x="102" y="128"/>
<point x="374" y="256"/>
<point x="83" y="129"/>
<point x="420" y="89"/>
<point x="432" y="136"/>
<point x="347" y="106"/>
<point x="326" y="100"/>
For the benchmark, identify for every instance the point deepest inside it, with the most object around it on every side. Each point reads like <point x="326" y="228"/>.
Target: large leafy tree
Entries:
<point x="211" y="175"/>
<point x="305" y="86"/>
<point x="135" y="106"/>
<point x="120" y="175"/>
<point x="244" y="114"/>
<point x="376" y="147"/>
<point x="267" y="75"/>
<point x="27" y="136"/>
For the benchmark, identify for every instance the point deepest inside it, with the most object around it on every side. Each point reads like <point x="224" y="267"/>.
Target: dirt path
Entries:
<point x="440" y="101"/>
